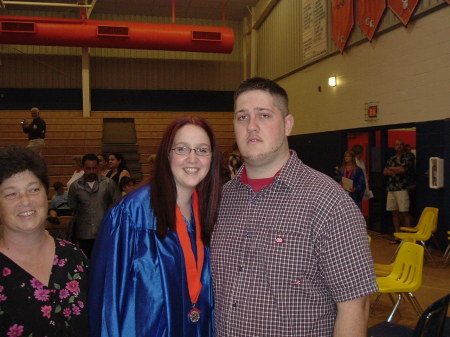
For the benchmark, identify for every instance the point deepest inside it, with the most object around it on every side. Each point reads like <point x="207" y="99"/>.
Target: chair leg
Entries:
<point x="446" y="254"/>
<point x="427" y="251"/>
<point x="396" y="251"/>
<point x="391" y="316"/>
<point x="414" y="303"/>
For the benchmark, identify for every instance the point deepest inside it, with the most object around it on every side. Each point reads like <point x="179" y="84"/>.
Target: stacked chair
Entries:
<point x="425" y="228"/>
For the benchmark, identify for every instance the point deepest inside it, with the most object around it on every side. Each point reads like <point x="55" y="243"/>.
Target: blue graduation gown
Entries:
<point x="138" y="285"/>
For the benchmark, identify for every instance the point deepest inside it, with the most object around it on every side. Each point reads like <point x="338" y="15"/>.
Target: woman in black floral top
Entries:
<point x="43" y="281"/>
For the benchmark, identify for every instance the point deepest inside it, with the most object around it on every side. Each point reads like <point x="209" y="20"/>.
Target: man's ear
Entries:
<point x="288" y="124"/>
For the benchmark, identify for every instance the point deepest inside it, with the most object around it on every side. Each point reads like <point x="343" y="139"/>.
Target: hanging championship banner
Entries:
<point x="342" y="21"/>
<point x="404" y="9"/>
<point x="369" y="15"/>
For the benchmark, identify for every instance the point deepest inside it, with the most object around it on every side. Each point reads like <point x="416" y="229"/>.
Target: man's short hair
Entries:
<point x="357" y="149"/>
<point x="89" y="156"/>
<point x="57" y="185"/>
<point x="258" y="83"/>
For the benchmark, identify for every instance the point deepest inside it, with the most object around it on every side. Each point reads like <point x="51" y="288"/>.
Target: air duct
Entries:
<point x="114" y="34"/>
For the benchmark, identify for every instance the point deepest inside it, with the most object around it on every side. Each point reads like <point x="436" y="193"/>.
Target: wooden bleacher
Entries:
<point x="70" y="134"/>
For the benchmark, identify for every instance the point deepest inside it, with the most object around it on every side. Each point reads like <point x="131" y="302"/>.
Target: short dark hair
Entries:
<point x="57" y="185"/>
<point x="125" y="181"/>
<point x="89" y="156"/>
<point x="258" y="83"/>
<point x="357" y="149"/>
<point x="104" y="156"/>
<point x="16" y="159"/>
<point x="163" y="187"/>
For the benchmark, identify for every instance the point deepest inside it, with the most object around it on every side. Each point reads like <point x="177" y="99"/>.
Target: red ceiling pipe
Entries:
<point x="114" y="34"/>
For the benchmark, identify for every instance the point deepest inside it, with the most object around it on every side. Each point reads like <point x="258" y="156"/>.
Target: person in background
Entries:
<point x="398" y="170"/>
<point x="359" y="152"/>
<point x="103" y="166"/>
<point x="127" y="185"/>
<point x="36" y="132"/>
<point x="43" y="280"/>
<point x="118" y="168"/>
<point x="59" y="204"/>
<point x="151" y="258"/>
<point x="234" y="164"/>
<point x="289" y="252"/>
<point x="90" y="197"/>
<point x="353" y="175"/>
<point x="78" y="173"/>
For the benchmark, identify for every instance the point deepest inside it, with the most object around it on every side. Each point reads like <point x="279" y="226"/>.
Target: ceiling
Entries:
<point x="201" y="9"/>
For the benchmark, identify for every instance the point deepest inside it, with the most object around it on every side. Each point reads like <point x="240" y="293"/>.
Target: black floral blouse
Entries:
<point x="30" y="309"/>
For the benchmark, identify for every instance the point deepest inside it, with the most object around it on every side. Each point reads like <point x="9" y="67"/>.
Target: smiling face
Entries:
<point x="261" y="130"/>
<point x="189" y="170"/>
<point x="23" y="203"/>
<point x="113" y="162"/>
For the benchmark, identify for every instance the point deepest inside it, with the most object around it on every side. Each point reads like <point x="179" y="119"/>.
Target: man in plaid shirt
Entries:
<point x="289" y="252"/>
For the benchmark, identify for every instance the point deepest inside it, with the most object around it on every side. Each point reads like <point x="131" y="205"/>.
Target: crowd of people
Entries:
<point x="184" y="254"/>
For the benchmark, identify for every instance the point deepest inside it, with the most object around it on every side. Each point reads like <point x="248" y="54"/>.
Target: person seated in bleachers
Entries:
<point x="59" y="205"/>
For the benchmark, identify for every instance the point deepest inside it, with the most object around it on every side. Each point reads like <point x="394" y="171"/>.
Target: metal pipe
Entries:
<point x="51" y="4"/>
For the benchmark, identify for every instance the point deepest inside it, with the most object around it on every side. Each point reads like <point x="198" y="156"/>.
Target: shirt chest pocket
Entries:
<point x="287" y="256"/>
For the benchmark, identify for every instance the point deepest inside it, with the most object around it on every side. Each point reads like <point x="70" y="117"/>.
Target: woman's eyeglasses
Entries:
<point x="186" y="151"/>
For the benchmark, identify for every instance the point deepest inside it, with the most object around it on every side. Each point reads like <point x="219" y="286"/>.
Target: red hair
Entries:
<point x="163" y="188"/>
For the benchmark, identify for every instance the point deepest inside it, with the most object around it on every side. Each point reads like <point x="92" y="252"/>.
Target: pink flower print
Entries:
<point x="46" y="311"/>
<point x="55" y="260"/>
<point x="80" y="268"/>
<point x="36" y="284"/>
<point x="76" y="310"/>
<point x="3" y="297"/>
<point x="62" y="262"/>
<point x="42" y="294"/>
<point x="1" y="288"/>
<point x="63" y="293"/>
<point x="15" y="331"/>
<point x="73" y="286"/>
<point x="81" y="304"/>
<point x="62" y="243"/>
<point x="67" y="312"/>
<point x="6" y="271"/>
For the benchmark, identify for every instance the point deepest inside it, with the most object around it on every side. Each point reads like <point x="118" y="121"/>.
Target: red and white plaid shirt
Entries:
<point x="283" y="257"/>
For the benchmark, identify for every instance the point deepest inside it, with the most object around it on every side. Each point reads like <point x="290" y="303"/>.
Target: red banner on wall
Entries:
<point x="404" y="9"/>
<point x="342" y="21"/>
<point x="369" y="15"/>
<point x="448" y="1"/>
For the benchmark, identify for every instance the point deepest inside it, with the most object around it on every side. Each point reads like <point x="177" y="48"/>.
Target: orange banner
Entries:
<point x="342" y="21"/>
<point x="369" y="15"/>
<point x="404" y="9"/>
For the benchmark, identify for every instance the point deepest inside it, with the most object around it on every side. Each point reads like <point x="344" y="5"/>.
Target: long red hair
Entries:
<point x="163" y="187"/>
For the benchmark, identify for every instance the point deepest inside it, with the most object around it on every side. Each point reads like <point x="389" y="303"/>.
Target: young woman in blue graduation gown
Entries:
<point x="351" y="171"/>
<point x="150" y="266"/>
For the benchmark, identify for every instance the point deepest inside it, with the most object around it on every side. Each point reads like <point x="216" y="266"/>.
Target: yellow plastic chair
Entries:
<point x="420" y="223"/>
<point x="385" y="269"/>
<point x="428" y="222"/>
<point x="404" y="278"/>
